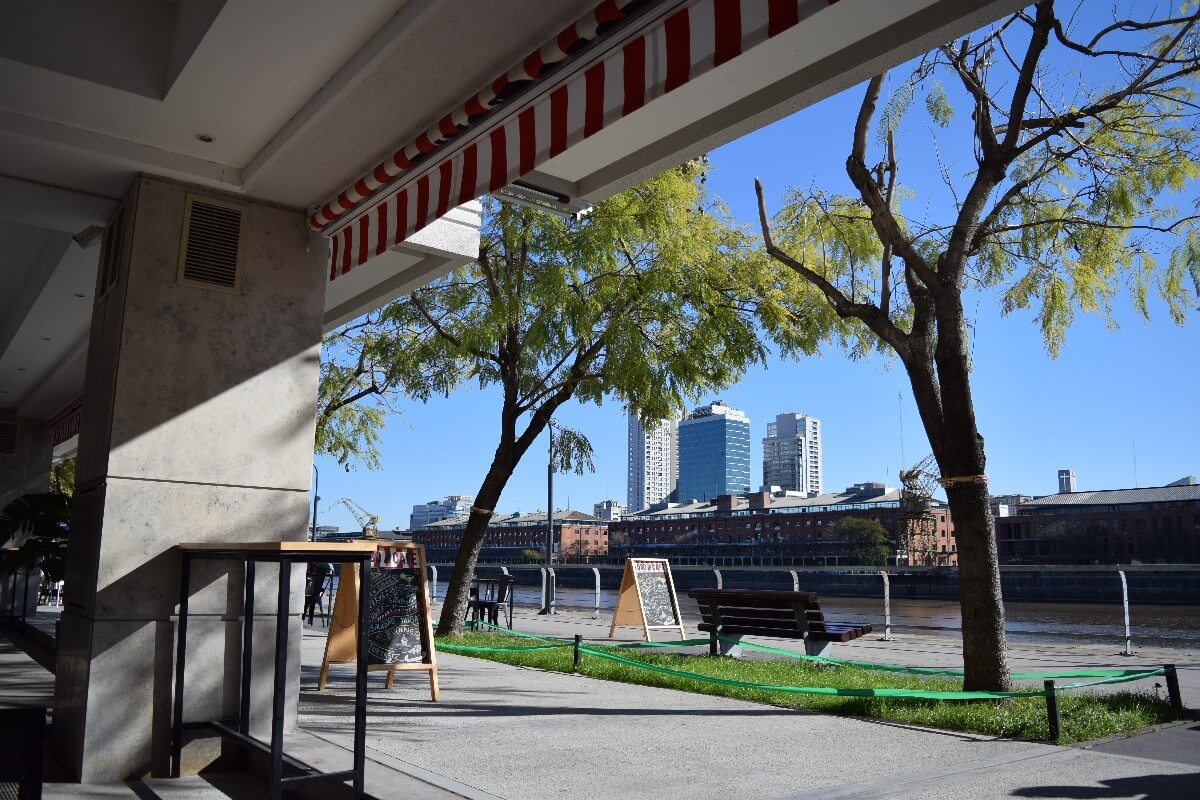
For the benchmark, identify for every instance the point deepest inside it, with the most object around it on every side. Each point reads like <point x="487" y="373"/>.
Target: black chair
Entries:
<point x="315" y="584"/>
<point x="487" y="596"/>
<point x="22" y="734"/>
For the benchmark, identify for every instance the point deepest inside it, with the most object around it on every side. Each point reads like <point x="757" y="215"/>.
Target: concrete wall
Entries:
<point x="198" y="428"/>
<point x="28" y="470"/>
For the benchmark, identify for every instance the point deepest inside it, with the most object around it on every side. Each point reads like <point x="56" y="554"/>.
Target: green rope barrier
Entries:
<point x="680" y="643"/>
<point x="451" y="647"/>
<point x="822" y="690"/>
<point x="477" y="624"/>
<point x="936" y="671"/>
<point x="1105" y="676"/>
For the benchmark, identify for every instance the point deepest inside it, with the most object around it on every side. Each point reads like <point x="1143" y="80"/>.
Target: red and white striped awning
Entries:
<point x="65" y="423"/>
<point x="487" y="144"/>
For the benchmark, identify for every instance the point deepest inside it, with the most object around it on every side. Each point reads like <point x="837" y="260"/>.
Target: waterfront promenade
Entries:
<point x="518" y="733"/>
<point x="509" y="732"/>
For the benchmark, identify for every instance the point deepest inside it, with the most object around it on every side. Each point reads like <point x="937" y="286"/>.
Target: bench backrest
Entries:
<point x="785" y="614"/>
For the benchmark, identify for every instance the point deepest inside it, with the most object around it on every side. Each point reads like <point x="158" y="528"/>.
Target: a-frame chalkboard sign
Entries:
<point x="647" y="598"/>
<point x="399" y="629"/>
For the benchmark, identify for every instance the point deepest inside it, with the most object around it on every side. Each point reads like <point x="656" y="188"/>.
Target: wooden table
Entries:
<point x="238" y="729"/>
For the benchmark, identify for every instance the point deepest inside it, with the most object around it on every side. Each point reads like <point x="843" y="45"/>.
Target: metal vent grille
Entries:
<point x="212" y="244"/>
<point x="110" y="264"/>
<point x="8" y="439"/>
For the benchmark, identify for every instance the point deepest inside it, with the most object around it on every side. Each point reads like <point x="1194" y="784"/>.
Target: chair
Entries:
<point x="487" y="596"/>
<point x="315" y="584"/>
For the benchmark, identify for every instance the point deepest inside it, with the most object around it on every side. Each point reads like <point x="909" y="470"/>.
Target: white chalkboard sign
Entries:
<point x="647" y="598"/>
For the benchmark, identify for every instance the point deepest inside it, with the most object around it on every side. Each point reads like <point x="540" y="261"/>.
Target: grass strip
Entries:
<point x="1085" y="715"/>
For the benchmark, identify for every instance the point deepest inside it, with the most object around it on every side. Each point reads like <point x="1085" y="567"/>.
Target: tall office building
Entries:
<point x="653" y="462"/>
<point x="455" y="505"/>
<point x="714" y="453"/>
<point x="792" y="454"/>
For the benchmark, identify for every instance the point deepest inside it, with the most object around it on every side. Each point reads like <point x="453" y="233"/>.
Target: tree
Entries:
<point x="866" y="540"/>
<point x="650" y="300"/>
<point x="62" y="477"/>
<point x="1059" y="207"/>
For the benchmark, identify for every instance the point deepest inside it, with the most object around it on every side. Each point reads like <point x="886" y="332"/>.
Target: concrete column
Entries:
<point x="198" y="427"/>
<point x="28" y="468"/>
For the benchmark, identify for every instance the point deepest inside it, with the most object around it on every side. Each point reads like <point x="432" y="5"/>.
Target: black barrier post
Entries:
<point x="578" y="655"/>
<point x="1052" y="712"/>
<point x="1173" y="688"/>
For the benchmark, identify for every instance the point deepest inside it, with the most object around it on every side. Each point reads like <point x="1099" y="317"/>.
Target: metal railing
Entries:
<point x="885" y="576"/>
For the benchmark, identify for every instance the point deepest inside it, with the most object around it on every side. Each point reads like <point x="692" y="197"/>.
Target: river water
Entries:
<point x="1161" y="626"/>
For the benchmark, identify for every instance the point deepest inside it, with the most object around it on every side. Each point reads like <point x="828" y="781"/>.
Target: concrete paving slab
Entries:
<point x="1177" y="743"/>
<point x="1059" y="773"/>
<point x="512" y="732"/>
<point x="23" y="682"/>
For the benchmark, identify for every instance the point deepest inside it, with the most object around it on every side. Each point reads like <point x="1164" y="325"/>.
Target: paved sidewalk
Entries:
<point x="519" y="733"/>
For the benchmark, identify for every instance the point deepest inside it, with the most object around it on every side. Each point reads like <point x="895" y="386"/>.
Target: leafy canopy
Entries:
<point x="652" y="299"/>
<point x="1078" y="184"/>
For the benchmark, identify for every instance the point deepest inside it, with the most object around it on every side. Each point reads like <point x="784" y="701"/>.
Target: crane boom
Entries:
<point x="368" y="521"/>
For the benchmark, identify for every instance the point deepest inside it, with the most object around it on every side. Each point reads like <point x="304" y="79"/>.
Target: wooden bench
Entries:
<point x="734" y="613"/>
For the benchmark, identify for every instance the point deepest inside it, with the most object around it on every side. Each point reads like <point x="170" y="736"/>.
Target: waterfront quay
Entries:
<point x="524" y="733"/>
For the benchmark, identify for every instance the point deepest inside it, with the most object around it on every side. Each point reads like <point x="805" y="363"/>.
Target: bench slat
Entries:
<point x="844" y="633"/>
<point x="777" y="614"/>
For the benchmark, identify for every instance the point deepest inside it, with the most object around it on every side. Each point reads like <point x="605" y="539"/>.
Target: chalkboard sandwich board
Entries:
<point x="647" y="598"/>
<point x="399" y="628"/>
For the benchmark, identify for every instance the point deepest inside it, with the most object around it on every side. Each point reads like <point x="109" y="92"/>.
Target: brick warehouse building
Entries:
<point x="783" y="527"/>
<point x="577" y="536"/>
<point x="1114" y="526"/>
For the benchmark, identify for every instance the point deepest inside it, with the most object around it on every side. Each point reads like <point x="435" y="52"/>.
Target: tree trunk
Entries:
<point x="948" y="415"/>
<point x="454" y="607"/>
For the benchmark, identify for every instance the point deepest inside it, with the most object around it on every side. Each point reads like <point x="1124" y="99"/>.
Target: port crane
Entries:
<point x="368" y="521"/>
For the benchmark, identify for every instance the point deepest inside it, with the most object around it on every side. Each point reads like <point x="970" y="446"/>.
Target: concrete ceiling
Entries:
<point x="288" y="101"/>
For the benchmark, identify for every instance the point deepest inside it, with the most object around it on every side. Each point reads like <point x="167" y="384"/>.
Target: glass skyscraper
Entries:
<point x="714" y="453"/>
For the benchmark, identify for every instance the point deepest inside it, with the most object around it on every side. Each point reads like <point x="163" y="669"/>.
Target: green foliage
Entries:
<point x="938" y="105"/>
<point x="532" y="556"/>
<point x="1096" y="196"/>
<point x="652" y="300"/>
<point x="572" y="451"/>
<point x="62" y="477"/>
<point x="1085" y="715"/>
<point x="866" y="538"/>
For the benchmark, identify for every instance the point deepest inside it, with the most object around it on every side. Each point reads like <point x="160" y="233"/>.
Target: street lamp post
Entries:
<point x="548" y="596"/>
<point x="316" y="499"/>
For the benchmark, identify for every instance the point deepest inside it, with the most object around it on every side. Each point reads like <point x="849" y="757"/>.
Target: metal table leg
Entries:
<point x="185" y="574"/>
<point x="360" y="681"/>
<point x="247" y="647"/>
<point x="279" y="700"/>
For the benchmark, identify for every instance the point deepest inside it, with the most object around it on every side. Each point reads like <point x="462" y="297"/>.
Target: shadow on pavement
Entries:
<point x="1144" y="787"/>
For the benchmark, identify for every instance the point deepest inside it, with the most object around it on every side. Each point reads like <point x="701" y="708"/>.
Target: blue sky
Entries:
<point x="1108" y="396"/>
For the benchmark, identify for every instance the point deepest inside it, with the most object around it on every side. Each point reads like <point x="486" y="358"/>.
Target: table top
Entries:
<point x="361" y="546"/>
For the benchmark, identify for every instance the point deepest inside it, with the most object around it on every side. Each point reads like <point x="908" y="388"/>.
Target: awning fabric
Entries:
<point x="65" y="424"/>
<point x="680" y="40"/>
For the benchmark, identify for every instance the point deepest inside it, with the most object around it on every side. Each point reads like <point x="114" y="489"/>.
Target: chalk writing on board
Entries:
<point x="655" y="594"/>
<point x="394" y="618"/>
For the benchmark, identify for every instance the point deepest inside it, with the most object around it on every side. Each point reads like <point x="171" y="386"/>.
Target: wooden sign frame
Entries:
<point x="341" y="646"/>
<point x="629" y="611"/>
